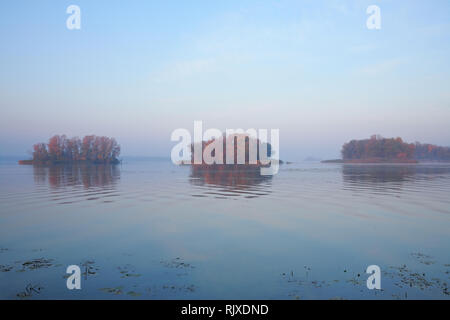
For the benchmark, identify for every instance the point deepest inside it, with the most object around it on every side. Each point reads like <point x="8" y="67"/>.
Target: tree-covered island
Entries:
<point x="62" y="150"/>
<point x="390" y="150"/>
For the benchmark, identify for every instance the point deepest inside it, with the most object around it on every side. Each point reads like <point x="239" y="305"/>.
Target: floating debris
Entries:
<point x="183" y="288"/>
<point x="176" y="263"/>
<point x="37" y="264"/>
<point x="116" y="290"/>
<point x="303" y="282"/>
<point x="5" y="268"/>
<point x="423" y="258"/>
<point x="89" y="268"/>
<point x="128" y="271"/>
<point x="190" y="288"/>
<point x="356" y="282"/>
<point x="29" y="290"/>
<point x="410" y="279"/>
<point x="134" y="294"/>
<point x="401" y="277"/>
<point x="294" y="295"/>
<point x="129" y="275"/>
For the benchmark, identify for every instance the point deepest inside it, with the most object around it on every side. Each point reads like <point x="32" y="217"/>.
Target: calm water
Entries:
<point x="152" y="230"/>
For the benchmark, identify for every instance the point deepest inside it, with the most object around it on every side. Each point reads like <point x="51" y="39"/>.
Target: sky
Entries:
<point x="138" y="70"/>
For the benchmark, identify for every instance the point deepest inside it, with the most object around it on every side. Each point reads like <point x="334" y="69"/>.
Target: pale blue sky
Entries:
<point x="137" y="70"/>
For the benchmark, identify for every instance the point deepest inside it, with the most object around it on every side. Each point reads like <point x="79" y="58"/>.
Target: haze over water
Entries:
<point x="152" y="230"/>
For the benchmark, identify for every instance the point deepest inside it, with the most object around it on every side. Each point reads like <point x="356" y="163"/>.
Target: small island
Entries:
<point x="62" y="150"/>
<point x="390" y="150"/>
<point x="244" y="152"/>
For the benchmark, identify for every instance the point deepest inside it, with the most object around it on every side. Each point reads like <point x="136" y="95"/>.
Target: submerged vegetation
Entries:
<point x="90" y="149"/>
<point x="379" y="149"/>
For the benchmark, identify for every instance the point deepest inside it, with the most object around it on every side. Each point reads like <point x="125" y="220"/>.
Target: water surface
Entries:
<point x="152" y="230"/>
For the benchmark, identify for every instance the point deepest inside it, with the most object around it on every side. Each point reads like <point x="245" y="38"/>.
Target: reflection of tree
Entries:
<point x="88" y="175"/>
<point x="389" y="176"/>
<point x="235" y="178"/>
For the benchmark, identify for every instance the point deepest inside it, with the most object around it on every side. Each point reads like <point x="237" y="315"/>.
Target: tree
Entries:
<point x="91" y="148"/>
<point x="378" y="147"/>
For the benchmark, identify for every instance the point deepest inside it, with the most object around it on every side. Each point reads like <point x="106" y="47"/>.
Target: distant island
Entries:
<point x="62" y="150"/>
<point x="390" y="150"/>
<point x="312" y="159"/>
<point x="238" y="147"/>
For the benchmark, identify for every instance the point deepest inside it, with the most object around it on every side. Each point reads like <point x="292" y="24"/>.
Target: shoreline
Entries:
<point x="382" y="161"/>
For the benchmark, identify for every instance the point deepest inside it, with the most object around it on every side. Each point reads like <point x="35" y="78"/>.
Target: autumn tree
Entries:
<point x="91" y="148"/>
<point x="378" y="147"/>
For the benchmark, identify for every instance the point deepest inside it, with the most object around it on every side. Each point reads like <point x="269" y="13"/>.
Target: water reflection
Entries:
<point x="58" y="176"/>
<point x="226" y="181"/>
<point x="390" y="177"/>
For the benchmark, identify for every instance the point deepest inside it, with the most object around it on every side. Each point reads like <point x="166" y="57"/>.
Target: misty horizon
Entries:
<point x="319" y="155"/>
